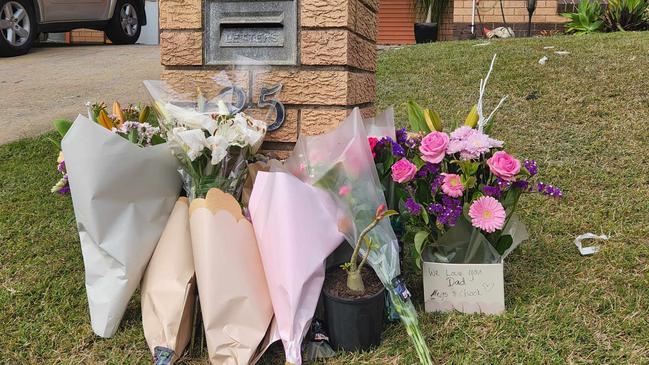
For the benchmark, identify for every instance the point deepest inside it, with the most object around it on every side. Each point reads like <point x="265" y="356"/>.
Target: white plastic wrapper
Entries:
<point x="381" y="125"/>
<point x="123" y="195"/>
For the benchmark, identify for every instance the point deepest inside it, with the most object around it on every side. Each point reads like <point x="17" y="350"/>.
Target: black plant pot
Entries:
<point x="355" y="324"/>
<point x="425" y="32"/>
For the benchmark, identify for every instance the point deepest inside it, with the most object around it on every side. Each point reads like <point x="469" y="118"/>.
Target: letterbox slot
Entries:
<point x="250" y="31"/>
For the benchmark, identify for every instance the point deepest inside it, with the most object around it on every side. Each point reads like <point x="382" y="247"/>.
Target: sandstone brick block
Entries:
<point x="316" y="121"/>
<point x="324" y="47"/>
<point x="324" y="13"/>
<point x="318" y="87"/>
<point x="181" y="14"/>
<point x="350" y="14"/>
<point x="210" y="82"/>
<point x="337" y="47"/>
<point x="181" y="48"/>
<point x="363" y="20"/>
<point x="362" y="88"/>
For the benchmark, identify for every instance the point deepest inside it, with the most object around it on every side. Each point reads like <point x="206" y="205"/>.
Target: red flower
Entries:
<point x="372" y="141"/>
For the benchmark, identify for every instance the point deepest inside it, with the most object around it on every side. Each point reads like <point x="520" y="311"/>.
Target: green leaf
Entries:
<point x="418" y="161"/>
<point x="424" y="216"/>
<point x="157" y="139"/>
<point x="433" y="120"/>
<point x="420" y="240"/>
<point x="470" y="182"/>
<point x="504" y="242"/>
<point x="132" y="136"/>
<point x="476" y="195"/>
<point x="416" y="117"/>
<point x="511" y="197"/>
<point x="472" y="119"/>
<point x="62" y="126"/>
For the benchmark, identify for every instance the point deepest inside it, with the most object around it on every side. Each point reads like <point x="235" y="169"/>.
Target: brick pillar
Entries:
<point x="334" y="72"/>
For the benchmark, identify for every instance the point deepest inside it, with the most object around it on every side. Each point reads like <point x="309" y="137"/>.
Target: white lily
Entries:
<point x="194" y="141"/>
<point x="223" y="107"/>
<point x="253" y="130"/>
<point x="219" y="147"/>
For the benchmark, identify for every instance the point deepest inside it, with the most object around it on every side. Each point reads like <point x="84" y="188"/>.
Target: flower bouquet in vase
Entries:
<point x="461" y="191"/>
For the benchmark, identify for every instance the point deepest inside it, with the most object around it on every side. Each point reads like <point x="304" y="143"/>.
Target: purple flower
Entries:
<point x="413" y="206"/>
<point x="435" y="185"/>
<point x="411" y="143"/>
<point x="402" y="135"/>
<point x="448" y="211"/>
<point x="521" y="184"/>
<point x="397" y="150"/>
<point x="427" y="169"/>
<point x="531" y="167"/>
<point x="380" y="144"/>
<point x="61" y="167"/>
<point x="493" y="191"/>
<point x="64" y="190"/>
<point x="549" y="190"/>
<point x="503" y="184"/>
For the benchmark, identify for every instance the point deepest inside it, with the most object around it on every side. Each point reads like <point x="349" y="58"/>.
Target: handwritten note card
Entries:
<point x="468" y="288"/>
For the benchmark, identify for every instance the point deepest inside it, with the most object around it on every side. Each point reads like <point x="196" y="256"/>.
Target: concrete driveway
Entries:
<point x="55" y="82"/>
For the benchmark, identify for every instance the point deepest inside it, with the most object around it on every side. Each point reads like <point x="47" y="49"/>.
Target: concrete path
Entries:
<point x="55" y="82"/>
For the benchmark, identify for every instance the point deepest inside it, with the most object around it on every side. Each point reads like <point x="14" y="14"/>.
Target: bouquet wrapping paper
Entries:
<point x="234" y="298"/>
<point x="122" y="196"/>
<point x="169" y="286"/>
<point x="296" y="230"/>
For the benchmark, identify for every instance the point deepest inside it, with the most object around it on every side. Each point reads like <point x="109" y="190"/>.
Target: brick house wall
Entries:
<point x="80" y="36"/>
<point x="396" y="21"/>
<point x="546" y="16"/>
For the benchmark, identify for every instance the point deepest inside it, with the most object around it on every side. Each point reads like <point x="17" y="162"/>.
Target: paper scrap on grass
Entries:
<point x="586" y="251"/>
<point x="543" y="60"/>
<point x="467" y="288"/>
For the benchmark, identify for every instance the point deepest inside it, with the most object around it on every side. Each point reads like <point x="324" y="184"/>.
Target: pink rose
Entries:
<point x="452" y="185"/>
<point x="504" y="165"/>
<point x="344" y="190"/>
<point x="433" y="147"/>
<point x="372" y="141"/>
<point x="403" y="171"/>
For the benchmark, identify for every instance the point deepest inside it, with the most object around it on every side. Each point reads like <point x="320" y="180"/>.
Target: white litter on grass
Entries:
<point x="482" y="44"/>
<point x="548" y="47"/>
<point x="587" y="251"/>
<point x="543" y="60"/>
<point x="562" y="53"/>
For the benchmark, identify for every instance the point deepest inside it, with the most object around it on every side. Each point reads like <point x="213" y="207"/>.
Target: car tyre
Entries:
<point x="17" y="27"/>
<point x="124" y="27"/>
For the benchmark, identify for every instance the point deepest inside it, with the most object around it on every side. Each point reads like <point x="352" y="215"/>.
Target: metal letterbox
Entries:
<point x="245" y="32"/>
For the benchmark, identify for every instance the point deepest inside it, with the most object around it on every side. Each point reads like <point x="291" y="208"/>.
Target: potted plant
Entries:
<point x="433" y="10"/>
<point x="354" y="297"/>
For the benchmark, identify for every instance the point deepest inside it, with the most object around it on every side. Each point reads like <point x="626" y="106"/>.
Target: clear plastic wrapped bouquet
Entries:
<point x="340" y="162"/>
<point x="211" y="139"/>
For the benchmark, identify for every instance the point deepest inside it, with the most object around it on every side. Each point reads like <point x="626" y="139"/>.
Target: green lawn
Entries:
<point x="588" y="131"/>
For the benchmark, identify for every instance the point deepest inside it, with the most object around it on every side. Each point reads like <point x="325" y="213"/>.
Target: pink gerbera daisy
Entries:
<point x="487" y="214"/>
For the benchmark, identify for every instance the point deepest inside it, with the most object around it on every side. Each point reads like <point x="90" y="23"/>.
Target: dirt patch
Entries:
<point x="335" y="284"/>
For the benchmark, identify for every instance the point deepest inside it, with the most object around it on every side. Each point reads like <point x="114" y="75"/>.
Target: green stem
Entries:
<point x="352" y="262"/>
